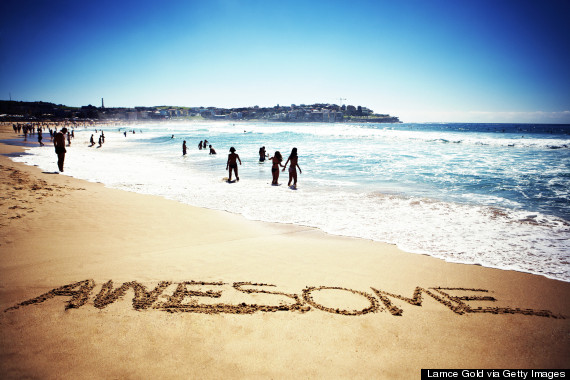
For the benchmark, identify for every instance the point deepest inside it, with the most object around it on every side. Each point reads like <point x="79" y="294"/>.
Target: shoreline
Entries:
<point x="404" y="245"/>
<point x="58" y="230"/>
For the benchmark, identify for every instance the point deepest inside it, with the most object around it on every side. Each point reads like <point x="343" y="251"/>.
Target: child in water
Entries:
<point x="293" y="167"/>
<point x="232" y="164"/>
<point x="276" y="159"/>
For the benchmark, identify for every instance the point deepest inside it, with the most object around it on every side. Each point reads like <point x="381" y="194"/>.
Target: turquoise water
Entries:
<point x="495" y="195"/>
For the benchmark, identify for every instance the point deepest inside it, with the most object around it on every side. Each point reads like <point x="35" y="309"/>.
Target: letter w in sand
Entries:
<point x="142" y="299"/>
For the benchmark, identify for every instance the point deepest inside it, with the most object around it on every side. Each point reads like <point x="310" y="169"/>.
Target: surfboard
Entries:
<point x="227" y="180"/>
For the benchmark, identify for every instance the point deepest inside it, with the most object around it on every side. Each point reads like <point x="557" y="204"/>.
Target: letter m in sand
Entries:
<point x="456" y="306"/>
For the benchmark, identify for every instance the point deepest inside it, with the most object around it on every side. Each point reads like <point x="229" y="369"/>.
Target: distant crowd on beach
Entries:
<point x="63" y="137"/>
<point x="31" y="129"/>
<point x="58" y="138"/>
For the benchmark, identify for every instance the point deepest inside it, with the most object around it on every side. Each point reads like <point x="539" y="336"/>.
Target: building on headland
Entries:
<point x="318" y="112"/>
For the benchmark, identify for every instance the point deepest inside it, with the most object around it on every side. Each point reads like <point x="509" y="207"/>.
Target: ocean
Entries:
<point x="496" y="195"/>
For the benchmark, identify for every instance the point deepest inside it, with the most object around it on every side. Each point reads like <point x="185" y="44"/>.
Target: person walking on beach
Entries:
<point x="40" y="137"/>
<point x="59" y="144"/>
<point x="293" y="167"/>
<point x="232" y="164"/>
<point x="92" y="141"/>
<point x="276" y="159"/>
<point x="184" y="148"/>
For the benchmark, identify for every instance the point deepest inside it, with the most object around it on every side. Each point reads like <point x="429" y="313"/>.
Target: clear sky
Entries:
<point x="421" y="60"/>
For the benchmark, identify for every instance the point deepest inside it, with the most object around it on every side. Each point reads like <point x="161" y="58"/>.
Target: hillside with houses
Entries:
<point x="319" y="112"/>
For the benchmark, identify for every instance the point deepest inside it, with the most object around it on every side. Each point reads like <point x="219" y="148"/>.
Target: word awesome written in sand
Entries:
<point x="184" y="297"/>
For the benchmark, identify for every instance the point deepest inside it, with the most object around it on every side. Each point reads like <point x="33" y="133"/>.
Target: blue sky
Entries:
<point x="465" y="61"/>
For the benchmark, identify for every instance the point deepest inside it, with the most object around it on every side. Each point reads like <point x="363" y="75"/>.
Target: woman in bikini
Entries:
<point x="276" y="159"/>
<point x="293" y="167"/>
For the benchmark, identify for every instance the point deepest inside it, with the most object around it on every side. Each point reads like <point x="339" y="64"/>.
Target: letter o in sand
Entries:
<point x="309" y="299"/>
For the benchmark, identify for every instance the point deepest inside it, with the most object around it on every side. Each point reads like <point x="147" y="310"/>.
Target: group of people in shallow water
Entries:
<point x="201" y="146"/>
<point x="292" y="161"/>
<point x="231" y="165"/>
<point x="276" y="160"/>
<point x="101" y="140"/>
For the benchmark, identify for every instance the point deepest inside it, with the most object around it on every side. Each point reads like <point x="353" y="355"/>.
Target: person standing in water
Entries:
<point x="232" y="163"/>
<point x="184" y="148"/>
<point x="293" y="167"/>
<point x="276" y="159"/>
<point x="59" y="144"/>
<point x="262" y="154"/>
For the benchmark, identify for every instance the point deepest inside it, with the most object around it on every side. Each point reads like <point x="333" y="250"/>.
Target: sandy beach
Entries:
<point x="103" y="283"/>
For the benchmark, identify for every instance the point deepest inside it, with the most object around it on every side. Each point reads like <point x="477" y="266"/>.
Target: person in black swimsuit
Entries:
<point x="276" y="159"/>
<point x="233" y="157"/>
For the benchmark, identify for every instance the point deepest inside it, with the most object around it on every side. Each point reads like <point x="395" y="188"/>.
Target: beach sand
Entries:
<point x="215" y="315"/>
